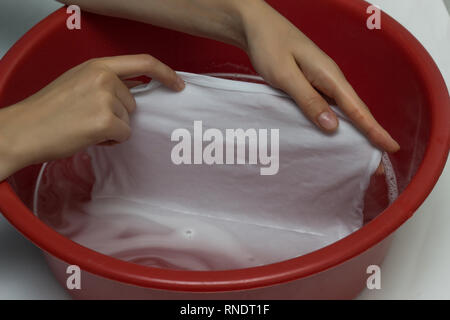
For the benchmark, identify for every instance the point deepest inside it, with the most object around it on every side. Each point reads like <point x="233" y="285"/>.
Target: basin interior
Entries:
<point x="375" y="65"/>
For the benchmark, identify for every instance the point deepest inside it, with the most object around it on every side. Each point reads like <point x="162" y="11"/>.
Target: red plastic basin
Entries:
<point x="390" y="70"/>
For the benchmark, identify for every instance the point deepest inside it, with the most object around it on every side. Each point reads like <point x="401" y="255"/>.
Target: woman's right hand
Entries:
<point x="87" y="105"/>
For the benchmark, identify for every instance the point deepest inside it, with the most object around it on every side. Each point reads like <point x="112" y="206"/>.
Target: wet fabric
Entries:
<point x="210" y="214"/>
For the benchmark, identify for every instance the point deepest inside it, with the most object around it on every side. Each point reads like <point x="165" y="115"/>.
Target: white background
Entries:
<point x="418" y="264"/>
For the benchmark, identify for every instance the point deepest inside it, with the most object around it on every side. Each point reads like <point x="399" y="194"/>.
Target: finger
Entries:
<point x="142" y="64"/>
<point x="349" y="102"/>
<point x="132" y="83"/>
<point x="119" y="131"/>
<point x="125" y="96"/>
<point x="329" y="79"/>
<point x="314" y="106"/>
<point x="120" y="111"/>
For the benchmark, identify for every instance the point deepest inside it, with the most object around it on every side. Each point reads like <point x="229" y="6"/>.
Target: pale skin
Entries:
<point x="90" y="104"/>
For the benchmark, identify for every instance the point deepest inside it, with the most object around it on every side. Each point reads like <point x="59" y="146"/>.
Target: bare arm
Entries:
<point x="215" y="19"/>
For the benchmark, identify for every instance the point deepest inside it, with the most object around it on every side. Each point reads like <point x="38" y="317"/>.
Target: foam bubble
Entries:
<point x="391" y="180"/>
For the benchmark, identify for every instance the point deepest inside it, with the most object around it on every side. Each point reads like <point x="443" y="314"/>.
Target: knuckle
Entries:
<point x="103" y="77"/>
<point x="358" y="115"/>
<point x="335" y="69"/>
<point x="148" y="61"/>
<point x="93" y="63"/>
<point x="104" y="121"/>
<point x="106" y="100"/>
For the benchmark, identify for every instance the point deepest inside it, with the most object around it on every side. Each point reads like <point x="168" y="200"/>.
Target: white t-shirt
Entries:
<point x="216" y="216"/>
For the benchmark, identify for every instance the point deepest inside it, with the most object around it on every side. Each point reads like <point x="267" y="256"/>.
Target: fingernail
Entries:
<point x="179" y="85"/>
<point x="327" y="120"/>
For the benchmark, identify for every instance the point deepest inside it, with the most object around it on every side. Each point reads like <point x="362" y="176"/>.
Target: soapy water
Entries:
<point x="161" y="239"/>
<point x="391" y="180"/>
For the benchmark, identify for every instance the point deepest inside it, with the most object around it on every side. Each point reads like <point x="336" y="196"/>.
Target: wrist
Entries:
<point x="250" y="13"/>
<point x="8" y="163"/>
<point x="226" y="22"/>
<point x="7" y="166"/>
<point x="11" y="159"/>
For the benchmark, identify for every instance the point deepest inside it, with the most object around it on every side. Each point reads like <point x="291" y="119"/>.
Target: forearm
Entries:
<point x="6" y="168"/>
<point x="10" y="159"/>
<point x="215" y="19"/>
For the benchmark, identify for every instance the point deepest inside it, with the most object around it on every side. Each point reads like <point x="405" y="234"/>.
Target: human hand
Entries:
<point x="89" y="104"/>
<point x="290" y="61"/>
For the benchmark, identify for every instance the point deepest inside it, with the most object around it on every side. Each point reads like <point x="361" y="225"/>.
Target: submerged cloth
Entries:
<point x="225" y="216"/>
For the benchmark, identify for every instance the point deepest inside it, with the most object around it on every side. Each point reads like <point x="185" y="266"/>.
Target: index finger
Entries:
<point x="131" y="66"/>
<point x="350" y="103"/>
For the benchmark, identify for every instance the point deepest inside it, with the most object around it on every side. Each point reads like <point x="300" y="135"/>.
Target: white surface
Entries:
<point x="418" y="262"/>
